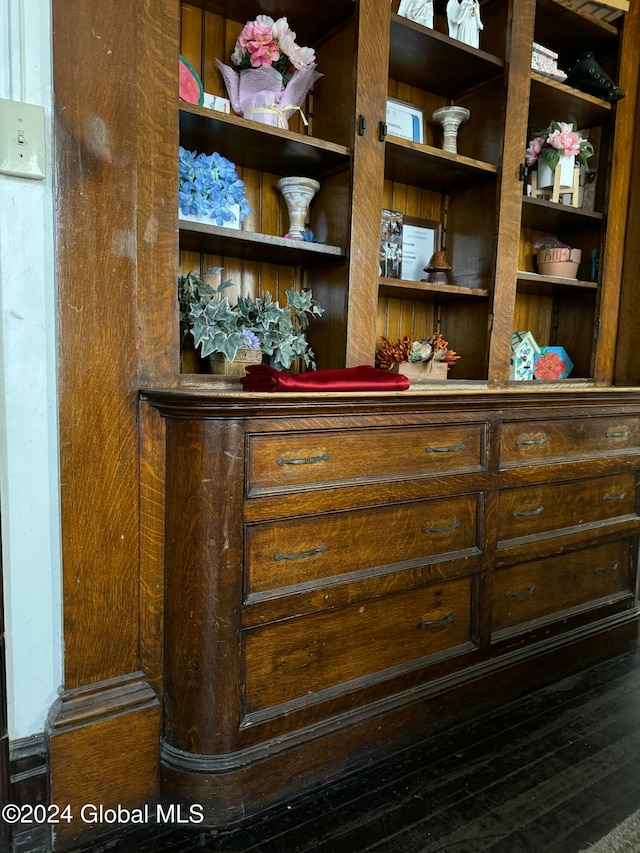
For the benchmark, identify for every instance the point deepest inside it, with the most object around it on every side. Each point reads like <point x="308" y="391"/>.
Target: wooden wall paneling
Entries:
<point x="627" y="365"/>
<point x="575" y="330"/>
<point x="534" y="313"/>
<point x="191" y="36"/>
<point x="333" y="93"/>
<point x="464" y="324"/>
<point x="96" y="116"/>
<point x="621" y="180"/>
<point x="522" y="15"/>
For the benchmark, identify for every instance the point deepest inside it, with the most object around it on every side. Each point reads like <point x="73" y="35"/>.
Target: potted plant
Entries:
<point x="425" y="360"/>
<point x="558" y="144"/>
<point x="245" y="332"/>
<point x="209" y="189"/>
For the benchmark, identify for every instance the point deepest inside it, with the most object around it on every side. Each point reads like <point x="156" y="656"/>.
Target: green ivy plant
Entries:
<point x="219" y="327"/>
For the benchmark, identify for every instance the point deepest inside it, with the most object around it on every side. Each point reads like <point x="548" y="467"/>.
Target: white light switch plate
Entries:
<point x="22" y="139"/>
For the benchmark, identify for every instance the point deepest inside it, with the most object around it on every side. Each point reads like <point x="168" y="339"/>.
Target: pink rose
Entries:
<point x="533" y="151"/>
<point x="565" y="140"/>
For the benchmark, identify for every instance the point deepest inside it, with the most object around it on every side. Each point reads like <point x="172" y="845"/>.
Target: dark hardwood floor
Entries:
<point x="549" y="773"/>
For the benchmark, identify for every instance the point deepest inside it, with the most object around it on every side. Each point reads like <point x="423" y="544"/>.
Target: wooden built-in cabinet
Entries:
<point x="344" y="575"/>
<point x="291" y="585"/>
<point x="339" y="570"/>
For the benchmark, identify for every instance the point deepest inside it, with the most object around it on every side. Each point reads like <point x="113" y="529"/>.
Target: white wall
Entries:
<point x="29" y="471"/>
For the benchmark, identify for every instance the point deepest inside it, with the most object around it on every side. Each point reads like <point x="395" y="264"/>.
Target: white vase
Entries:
<point x="566" y="164"/>
<point x="451" y="118"/>
<point x="298" y="194"/>
<point x="206" y="220"/>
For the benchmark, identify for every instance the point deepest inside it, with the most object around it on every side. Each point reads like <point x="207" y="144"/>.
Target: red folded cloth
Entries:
<point x="262" y="377"/>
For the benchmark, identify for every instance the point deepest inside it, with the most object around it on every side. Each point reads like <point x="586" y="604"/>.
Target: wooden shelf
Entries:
<point x="565" y="29"/>
<point x="398" y="288"/>
<point x="553" y="100"/>
<point x="544" y="215"/>
<point x="310" y="28"/>
<point x="259" y="146"/>
<point x="547" y="285"/>
<point x="418" y="54"/>
<point x="433" y="169"/>
<point x="247" y="245"/>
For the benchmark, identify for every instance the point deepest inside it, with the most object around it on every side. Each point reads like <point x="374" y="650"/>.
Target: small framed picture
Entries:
<point x="420" y="240"/>
<point x="405" y="120"/>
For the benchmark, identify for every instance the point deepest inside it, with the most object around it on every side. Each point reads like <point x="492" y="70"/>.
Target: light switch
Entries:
<point x="22" y="150"/>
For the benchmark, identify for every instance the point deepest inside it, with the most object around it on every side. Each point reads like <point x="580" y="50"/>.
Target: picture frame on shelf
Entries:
<point x="421" y="238"/>
<point x="390" y="258"/>
<point x="405" y="120"/>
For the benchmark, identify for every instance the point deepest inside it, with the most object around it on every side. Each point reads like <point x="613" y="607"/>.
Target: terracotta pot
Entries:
<point x="561" y="262"/>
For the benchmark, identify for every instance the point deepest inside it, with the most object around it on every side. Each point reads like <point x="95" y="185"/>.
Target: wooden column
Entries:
<point x="114" y="232"/>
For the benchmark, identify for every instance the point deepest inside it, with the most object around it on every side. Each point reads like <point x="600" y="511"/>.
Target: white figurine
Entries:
<point x="420" y="11"/>
<point x="464" y="21"/>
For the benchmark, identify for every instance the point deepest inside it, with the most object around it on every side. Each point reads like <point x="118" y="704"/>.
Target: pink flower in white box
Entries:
<point x="274" y="75"/>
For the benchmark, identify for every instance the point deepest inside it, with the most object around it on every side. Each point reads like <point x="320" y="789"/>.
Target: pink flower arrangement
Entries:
<point x="273" y="43"/>
<point x="559" y="138"/>
<point x="275" y="73"/>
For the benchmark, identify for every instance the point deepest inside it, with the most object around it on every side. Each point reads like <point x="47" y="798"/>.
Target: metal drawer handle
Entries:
<point x="621" y="433"/>
<point x="448" y="618"/>
<point x="306" y="460"/>
<point x="524" y="441"/>
<point x="605" y="570"/>
<point x="537" y="511"/>
<point x="619" y="497"/>
<point x="522" y="593"/>
<point x="302" y="555"/>
<point x="447" y="449"/>
<point x="442" y="528"/>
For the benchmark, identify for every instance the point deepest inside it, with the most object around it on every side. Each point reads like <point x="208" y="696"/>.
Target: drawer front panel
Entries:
<point x="534" y="441"/>
<point x="537" y="509"/>
<point x="278" y="463"/>
<point x="301" y="550"/>
<point x="532" y="590"/>
<point x="291" y="659"/>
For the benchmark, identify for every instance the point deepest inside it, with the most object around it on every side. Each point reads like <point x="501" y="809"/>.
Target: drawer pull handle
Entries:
<point x="618" y="497"/>
<point x="521" y="593"/>
<point x="306" y="460"/>
<point x="525" y="441"/>
<point x="605" y="570"/>
<point x="441" y="528"/>
<point x="302" y="555"/>
<point x="620" y="433"/>
<point x="537" y="511"/>
<point x="451" y="448"/>
<point x="426" y="623"/>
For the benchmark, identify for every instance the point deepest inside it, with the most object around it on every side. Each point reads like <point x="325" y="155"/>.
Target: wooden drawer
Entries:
<point x="282" y="554"/>
<point x="532" y="590"/>
<point x="534" y="441"/>
<point x="290" y="659"/>
<point x="536" y="509"/>
<point x="280" y="462"/>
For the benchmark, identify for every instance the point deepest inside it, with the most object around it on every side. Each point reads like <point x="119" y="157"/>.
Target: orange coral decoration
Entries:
<point x="391" y="354"/>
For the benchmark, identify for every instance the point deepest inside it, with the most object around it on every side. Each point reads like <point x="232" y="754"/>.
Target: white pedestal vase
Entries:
<point x="298" y="194"/>
<point x="451" y="118"/>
